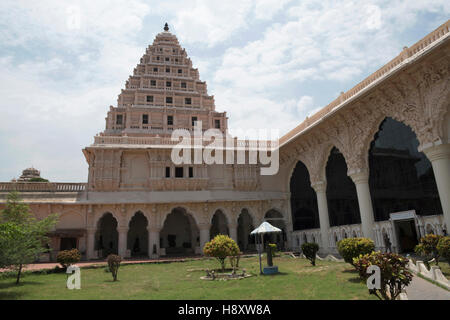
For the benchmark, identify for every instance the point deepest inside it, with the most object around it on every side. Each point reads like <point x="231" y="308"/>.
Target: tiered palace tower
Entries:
<point x="134" y="152"/>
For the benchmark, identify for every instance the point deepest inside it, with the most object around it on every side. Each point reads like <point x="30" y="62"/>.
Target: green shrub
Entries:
<point x="68" y="257"/>
<point x="221" y="247"/>
<point x="394" y="275"/>
<point x="427" y="248"/>
<point x="310" y="250"/>
<point x="114" y="264"/>
<point x="351" y="248"/>
<point x="443" y="248"/>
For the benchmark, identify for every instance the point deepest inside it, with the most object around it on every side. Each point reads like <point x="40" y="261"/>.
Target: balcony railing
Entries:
<point x="167" y="141"/>
<point x="42" y="186"/>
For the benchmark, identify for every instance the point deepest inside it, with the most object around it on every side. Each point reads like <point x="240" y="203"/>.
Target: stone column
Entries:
<point x="377" y="239"/>
<point x="204" y="234"/>
<point x="90" y="245"/>
<point x="439" y="157"/>
<point x="421" y="229"/>
<point x="232" y="228"/>
<point x="153" y="241"/>
<point x="123" y="232"/>
<point x="321" y="191"/>
<point x="361" y="180"/>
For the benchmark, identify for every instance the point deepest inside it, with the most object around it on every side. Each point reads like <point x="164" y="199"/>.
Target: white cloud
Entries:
<point x="211" y="22"/>
<point x="62" y="63"/>
<point x="327" y="42"/>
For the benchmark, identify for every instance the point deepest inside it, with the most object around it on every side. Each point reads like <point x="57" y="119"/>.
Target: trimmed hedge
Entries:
<point x="351" y="248"/>
<point x="443" y="248"/>
<point x="68" y="257"/>
<point x="221" y="247"/>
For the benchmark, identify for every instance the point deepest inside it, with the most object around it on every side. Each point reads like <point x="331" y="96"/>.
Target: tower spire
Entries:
<point x="166" y="27"/>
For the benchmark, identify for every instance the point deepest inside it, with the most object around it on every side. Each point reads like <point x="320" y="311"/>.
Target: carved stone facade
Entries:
<point x="416" y="93"/>
<point x="130" y="169"/>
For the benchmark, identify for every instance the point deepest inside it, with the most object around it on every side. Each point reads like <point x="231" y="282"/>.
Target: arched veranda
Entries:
<point x="401" y="180"/>
<point x="106" y="236"/>
<point x="343" y="207"/>
<point x="246" y="242"/>
<point x="137" y="238"/>
<point x="305" y="213"/>
<point x="219" y="224"/>
<point x="179" y="235"/>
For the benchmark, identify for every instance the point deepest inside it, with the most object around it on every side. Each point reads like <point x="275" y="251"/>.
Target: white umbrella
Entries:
<point x="265" y="227"/>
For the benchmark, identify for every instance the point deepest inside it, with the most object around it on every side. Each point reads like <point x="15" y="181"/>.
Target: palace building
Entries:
<point x="375" y="162"/>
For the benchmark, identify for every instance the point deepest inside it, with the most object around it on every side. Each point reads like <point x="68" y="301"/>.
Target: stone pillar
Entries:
<point x="204" y="234"/>
<point x="123" y="232"/>
<point x="153" y="241"/>
<point x="421" y="230"/>
<point x="90" y="245"/>
<point x="439" y="157"/>
<point x="361" y="180"/>
<point x="232" y="228"/>
<point x="378" y="243"/>
<point x="321" y="191"/>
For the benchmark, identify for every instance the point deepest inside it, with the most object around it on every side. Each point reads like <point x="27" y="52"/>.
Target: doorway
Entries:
<point x="68" y="243"/>
<point x="406" y="234"/>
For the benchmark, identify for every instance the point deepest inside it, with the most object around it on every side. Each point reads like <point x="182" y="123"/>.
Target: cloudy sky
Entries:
<point x="269" y="63"/>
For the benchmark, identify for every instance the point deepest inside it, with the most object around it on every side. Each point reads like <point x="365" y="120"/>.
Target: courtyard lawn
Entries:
<point x="181" y="280"/>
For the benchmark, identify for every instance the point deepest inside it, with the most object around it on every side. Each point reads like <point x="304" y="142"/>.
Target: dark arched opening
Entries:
<point x="137" y="239"/>
<point x="246" y="242"/>
<point x="180" y="234"/>
<point x="343" y="205"/>
<point x="401" y="178"/>
<point x="219" y="224"/>
<point x="107" y="237"/>
<point x="305" y="214"/>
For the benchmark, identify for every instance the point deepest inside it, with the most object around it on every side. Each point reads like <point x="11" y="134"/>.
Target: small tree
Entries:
<point x="394" y="275"/>
<point x="220" y="248"/>
<point x="68" y="257"/>
<point x="443" y="248"/>
<point x="351" y="248"/>
<point x="427" y="248"/>
<point x="114" y="264"/>
<point x="22" y="237"/>
<point x="310" y="250"/>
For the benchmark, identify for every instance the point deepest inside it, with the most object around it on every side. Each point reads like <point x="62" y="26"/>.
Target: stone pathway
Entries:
<point x="421" y="289"/>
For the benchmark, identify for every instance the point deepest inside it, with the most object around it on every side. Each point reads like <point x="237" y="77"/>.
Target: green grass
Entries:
<point x="445" y="267"/>
<point x="181" y="280"/>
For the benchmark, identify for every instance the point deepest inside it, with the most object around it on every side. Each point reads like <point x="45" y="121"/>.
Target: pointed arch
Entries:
<point x="106" y="236"/>
<point x="137" y="237"/>
<point x="400" y="176"/>
<point x="219" y="224"/>
<point x="343" y="207"/>
<point x="304" y="209"/>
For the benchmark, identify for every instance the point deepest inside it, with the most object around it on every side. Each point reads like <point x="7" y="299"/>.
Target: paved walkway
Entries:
<point x="51" y="265"/>
<point x="421" y="289"/>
